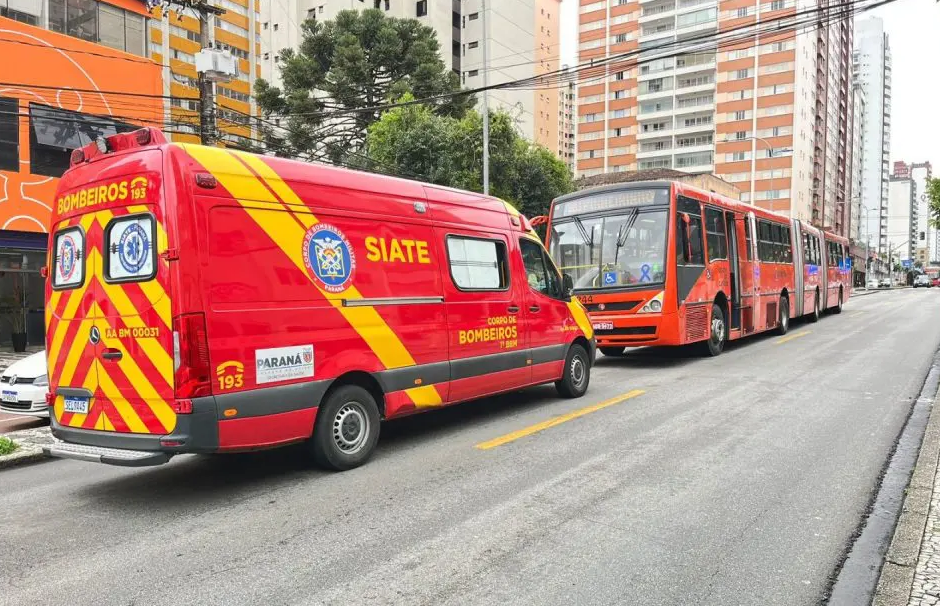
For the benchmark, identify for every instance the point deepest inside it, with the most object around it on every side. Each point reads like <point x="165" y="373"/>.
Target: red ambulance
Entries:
<point x="207" y="300"/>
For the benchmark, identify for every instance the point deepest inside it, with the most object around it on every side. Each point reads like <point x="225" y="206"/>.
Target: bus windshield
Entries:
<point x="616" y="250"/>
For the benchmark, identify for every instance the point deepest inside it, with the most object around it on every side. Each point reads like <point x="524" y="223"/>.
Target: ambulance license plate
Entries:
<point x="603" y="325"/>
<point x="76" y="405"/>
<point x="8" y="396"/>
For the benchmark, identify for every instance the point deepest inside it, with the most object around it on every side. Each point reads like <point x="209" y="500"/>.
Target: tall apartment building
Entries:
<point x="859" y="224"/>
<point x="873" y="60"/>
<point x="901" y="233"/>
<point x="174" y="42"/>
<point x="566" y="132"/>
<point x="765" y="114"/>
<point x="925" y="235"/>
<point x="522" y="41"/>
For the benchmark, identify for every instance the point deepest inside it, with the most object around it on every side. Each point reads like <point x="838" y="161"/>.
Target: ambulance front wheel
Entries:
<point x="346" y="430"/>
<point x="577" y="375"/>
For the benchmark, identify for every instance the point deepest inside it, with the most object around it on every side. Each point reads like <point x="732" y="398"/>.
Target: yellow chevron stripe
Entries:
<point x="288" y="235"/>
<point x="161" y="409"/>
<point x="76" y="347"/>
<point x="127" y="412"/>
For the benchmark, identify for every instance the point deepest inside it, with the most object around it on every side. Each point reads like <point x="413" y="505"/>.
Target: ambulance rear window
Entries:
<point x="131" y="251"/>
<point x="68" y="261"/>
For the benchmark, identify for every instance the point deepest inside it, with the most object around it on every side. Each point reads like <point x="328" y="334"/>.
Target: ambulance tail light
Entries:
<point x="191" y="358"/>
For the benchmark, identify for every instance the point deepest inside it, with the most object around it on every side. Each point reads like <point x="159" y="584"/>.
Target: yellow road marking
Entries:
<point x="528" y="431"/>
<point x="793" y="336"/>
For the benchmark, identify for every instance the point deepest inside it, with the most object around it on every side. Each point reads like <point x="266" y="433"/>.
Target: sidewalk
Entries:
<point x="910" y="575"/>
<point x="30" y="443"/>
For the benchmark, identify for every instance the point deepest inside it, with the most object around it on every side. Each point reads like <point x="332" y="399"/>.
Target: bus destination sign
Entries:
<point x="608" y="201"/>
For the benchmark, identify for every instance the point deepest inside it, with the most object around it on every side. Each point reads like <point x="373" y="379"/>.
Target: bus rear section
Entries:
<point x="110" y="332"/>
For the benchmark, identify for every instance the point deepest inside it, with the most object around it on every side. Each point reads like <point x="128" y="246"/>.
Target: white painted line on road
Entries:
<point x="528" y="431"/>
<point x="789" y="338"/>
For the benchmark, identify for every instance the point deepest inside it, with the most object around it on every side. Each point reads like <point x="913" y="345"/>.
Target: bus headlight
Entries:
<point x="654" y="305"/>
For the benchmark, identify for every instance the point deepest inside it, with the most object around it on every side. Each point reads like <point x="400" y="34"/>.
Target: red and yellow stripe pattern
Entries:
<point x="133" y="394"/>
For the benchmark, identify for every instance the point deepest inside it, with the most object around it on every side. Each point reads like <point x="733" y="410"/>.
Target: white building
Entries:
<point x="859" y="225"/>
<point x="523" y="41"/>
<point x="873" y="59"/>
<point x="902" y="217"/>
<point x="921" y="173"/>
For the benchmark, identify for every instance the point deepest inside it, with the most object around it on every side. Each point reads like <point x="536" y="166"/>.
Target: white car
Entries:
<point x="873" y="284"/>
<point x="23" y="387"/>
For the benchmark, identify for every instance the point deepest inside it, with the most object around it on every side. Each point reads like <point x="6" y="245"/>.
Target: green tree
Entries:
<point x="413" y="141"/>
<point x="362" y="59"/>
<point x="933" y="194"/>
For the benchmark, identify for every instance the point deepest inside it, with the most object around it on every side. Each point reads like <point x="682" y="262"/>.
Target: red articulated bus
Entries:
<point x="664" y="263"/>
<point x="208" y="300"/>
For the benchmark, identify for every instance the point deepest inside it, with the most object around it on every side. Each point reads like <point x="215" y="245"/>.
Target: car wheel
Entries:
<point x="814" y="315"/>
<point x="612" y="352"/>
<point x="717" y="334"/>
<point x="783" y="320"/>
<point x="577" y="374"/>
<point x="347" y="429"/>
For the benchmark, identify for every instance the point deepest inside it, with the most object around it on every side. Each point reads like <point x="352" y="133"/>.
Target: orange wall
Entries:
<point x="54" y="69"/>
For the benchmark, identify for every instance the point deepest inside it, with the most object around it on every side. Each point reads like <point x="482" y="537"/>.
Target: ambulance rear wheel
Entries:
<point x="577" y="375"/>
<point x="612" y="352"/>
<point x="347" y="429"/>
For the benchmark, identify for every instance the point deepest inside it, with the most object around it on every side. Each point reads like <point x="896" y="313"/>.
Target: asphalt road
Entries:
<point x="736" y="480"/>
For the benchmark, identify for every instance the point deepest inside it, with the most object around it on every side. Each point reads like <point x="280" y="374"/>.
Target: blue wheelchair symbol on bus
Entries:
<point x="610" y="278"/>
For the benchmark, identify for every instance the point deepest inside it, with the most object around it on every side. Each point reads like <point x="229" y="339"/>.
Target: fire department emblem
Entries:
<point x="67" y="258"/>
<point x="133" y="248"/>
<point x="329" y="257"/>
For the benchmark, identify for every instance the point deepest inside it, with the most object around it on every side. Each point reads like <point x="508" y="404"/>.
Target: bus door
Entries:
<point x="799" y="258"/>
<point x="754" y="275"/>
<point x="734" y="264"/>
<point x="747" y="259"/>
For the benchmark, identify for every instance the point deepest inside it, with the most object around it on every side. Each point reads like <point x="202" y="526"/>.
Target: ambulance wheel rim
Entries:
<point x="577" y="371"/>
<point x="351" y="428"/>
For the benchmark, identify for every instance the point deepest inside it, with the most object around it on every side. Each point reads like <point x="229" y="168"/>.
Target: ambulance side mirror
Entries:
<point x="567" y="285"/>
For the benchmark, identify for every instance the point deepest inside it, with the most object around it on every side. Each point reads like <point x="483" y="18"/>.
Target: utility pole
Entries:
<point x="207" y="77"/>
<point x="206" y="86"/>
<point x="486" y="107"/>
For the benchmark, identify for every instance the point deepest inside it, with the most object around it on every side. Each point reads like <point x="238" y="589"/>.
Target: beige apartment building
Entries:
<point x="522" y="41"/>
<point x="768" y="115"/>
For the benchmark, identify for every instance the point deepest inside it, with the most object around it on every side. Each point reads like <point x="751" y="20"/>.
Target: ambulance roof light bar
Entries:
<point x="122" y="141"/>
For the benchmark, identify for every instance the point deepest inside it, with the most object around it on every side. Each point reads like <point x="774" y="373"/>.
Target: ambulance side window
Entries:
<point x="477" y="263"/>
<point x="131" y="253"/>
<point x="68" y="261"/>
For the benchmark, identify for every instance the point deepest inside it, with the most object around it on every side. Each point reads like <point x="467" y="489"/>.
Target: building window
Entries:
<point x="24" y="11"/>
<point x="54" y="133"/>
<point x="421" y="8"/>
<point x="473" y="72"/>
<point x="473" y="16"/>
<point x="473" y="45"/>
<point x="99" y="22"/>
<point x="9" y="135"/>
<point x="742" y="12"/>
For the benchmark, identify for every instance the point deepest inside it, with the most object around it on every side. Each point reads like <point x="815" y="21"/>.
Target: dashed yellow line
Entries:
<point x="789" y="338"/>
<point x="532" y="429"/>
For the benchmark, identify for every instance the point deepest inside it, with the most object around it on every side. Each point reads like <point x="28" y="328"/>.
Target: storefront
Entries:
<point x="21" y="287"/>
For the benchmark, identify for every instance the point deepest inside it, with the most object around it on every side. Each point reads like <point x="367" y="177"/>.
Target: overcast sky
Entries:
<point x="913" y="28"/>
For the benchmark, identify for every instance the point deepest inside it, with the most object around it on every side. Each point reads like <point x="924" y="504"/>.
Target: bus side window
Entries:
<point x="787" y="246"/>
<point x="715" y="234"/>
<point x="695" y="244"/>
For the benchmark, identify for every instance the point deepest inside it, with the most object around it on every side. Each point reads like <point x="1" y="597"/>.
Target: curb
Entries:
<point x="22" y="456"/>
<point x="897" y="574"/>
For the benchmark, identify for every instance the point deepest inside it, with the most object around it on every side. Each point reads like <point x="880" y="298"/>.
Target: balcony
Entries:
<point x="652" y="134"/>
<point x="655" y="12"/>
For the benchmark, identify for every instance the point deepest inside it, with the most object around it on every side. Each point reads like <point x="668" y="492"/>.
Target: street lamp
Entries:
<point x="891" y="250"/>
<point x="770" y="154"/>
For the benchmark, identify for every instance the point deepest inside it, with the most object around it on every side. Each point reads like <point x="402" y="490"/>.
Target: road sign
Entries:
<point x="907" y="263"/>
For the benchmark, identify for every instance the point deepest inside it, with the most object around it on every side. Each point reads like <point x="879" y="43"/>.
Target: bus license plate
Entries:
<point x="8" y="396"/>
<point x="603" y="325"/>
<point x="76" y="405"/>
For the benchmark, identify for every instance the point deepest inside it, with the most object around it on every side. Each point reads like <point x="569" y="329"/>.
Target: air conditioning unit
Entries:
<point x="216" y="65"/>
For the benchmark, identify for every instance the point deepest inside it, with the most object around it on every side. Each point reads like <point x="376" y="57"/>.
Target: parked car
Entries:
<point x="873" y="284"/>
<point x="884" y="283"/>
<point x="922" y="280"/>
<point x="23" y="387"/>
<point x="935" y="282"/>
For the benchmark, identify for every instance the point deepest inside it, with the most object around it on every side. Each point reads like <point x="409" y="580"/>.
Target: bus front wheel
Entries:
<point x="718" y="333"/>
